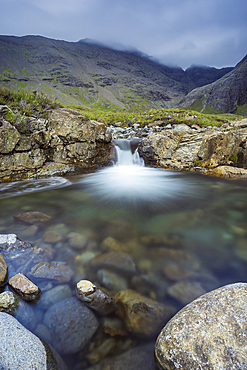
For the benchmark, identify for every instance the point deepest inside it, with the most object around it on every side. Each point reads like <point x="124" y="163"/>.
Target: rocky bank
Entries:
<point x="212" y="151"/>
<point x="68" y="143"/>
<point x="65" y="143"/>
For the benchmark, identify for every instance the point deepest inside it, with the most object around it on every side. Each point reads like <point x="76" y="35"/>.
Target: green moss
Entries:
<point x="233" y="158"/>
<point x="198" y="163"/>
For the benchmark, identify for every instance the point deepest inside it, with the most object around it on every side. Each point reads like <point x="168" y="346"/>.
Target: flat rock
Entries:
<point x="21" y="254"/>
<point x="186" y="291"/>
<point x="142" y="316"/>
<point x="114" y="261"/>
<point x="32" y="217"/>
<point x="57" y="271"/>
<point x="3" y="271"/>
<point x="229" y="172"/>
<point x="209" y="333"/>
<point x="24" y="287"/>
<point x="20" y="349"/>
<point x="71" y="325"/>
<point x="137" y="358"/>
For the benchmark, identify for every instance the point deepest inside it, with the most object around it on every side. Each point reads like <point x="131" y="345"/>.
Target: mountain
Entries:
<point x="228" y="94"/>
<point x="203" y="75"/>
<point x="86" y="73"/>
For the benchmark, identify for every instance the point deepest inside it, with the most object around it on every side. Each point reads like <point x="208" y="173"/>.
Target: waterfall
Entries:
<point x="127" y="153"/>
<point x="129" y="181"/>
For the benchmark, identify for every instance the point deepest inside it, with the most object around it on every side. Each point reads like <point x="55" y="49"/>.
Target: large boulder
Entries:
<point x="64" y="144"/>
<point x="209" y="333"/>
<point x="20" y="349"/>
<point x="195" y="151"/>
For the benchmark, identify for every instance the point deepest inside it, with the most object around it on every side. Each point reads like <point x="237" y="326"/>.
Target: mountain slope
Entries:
<point x="228" y="94"/>
<point x="203" y="75"/>
<point x="87" y="74"/>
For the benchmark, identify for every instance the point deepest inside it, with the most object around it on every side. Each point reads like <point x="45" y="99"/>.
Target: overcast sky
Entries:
<point x="181" y="32"/>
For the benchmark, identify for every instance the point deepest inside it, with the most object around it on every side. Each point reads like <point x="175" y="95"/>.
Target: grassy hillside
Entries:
<point x="37" y="104"/>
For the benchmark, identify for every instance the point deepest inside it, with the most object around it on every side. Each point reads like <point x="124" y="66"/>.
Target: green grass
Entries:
<point x="173" y="116"/>
<point x="27" y="103"/>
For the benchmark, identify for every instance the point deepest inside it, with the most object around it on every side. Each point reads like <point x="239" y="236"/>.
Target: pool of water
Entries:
<point x="186" y="233"/>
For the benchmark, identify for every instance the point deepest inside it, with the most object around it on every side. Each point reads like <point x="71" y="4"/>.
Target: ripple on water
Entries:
<point x="13" y="189"/>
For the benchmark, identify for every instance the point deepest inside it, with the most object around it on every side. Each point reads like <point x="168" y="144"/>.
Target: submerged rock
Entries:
<point x="137" y="358"/>
<point x="186" y="291"/>
<point x="101" y="351"/>
<point x="55" y="295"/>
<point x="3" y="271"/>
<point x="114" y="261"/>
<point x="95" y="298"/>
<point x="57" y="271"/>
<point x="21" y="255"/>
<point x="209" y="333"/>
<point x="71" y="325"/>
<point x="24" y="287"/>
<point x="142" y="316"/>
<point x="32" y="217"/>
<point x="20" y="349"/>
<point x="111" y="280"/>
<point x="114" y="326"/>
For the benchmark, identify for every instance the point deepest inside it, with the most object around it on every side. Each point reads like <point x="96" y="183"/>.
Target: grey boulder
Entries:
<point x="20" y="349"/>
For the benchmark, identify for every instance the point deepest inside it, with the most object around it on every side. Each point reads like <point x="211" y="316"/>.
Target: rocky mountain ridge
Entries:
<point x="87" y="74"/>
<point x="228" y="94"/>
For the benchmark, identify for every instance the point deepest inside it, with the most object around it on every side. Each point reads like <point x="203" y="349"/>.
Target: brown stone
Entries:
<point x="3" y="271"/>
<point x="142" y="316"/>
<point x="24" y="287"/>
<point x="209" y="333"/>
<point x="32" y="217"/>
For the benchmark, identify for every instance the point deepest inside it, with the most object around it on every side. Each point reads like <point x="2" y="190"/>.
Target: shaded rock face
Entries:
<point x="225" y="95"/>
<point x="66" y="143"/>
<point x="23" y="350"/>
<point x="195" y="151"/>
<point x="209" y="333"/>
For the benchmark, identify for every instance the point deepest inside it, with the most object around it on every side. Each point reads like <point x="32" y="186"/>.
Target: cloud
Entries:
<point x="180" y="32"/>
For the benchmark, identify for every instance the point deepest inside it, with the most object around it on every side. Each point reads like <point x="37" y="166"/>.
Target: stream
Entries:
<point x="186" y="232"/>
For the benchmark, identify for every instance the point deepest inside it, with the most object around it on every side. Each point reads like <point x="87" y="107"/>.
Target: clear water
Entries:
<point x="176" y="226"/>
